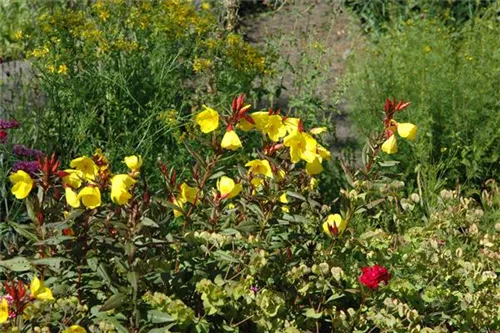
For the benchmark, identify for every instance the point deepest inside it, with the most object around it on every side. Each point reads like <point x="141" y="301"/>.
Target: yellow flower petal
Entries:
<point x="407" y="131"/>
<point x="315" y="167"/>
<point x="245" y="125"/>
<point x="231" y="141"/>
<point x="390" y="146"/>
<point x="90" y="197"/>
<point x="133" y="162"/>
<point x="208" y="120"/>
<point x="283" y="198"/>
<point x="71" y="197"/>
<point x="74" y="178"/>
<point x="22" y="184"/>
<point x="228" y="188"/>
<point x="188" y="193"/>
<point x="75" y="329"/>
<point x="85" y="165"/>
<point x="120" y="187"/>
<point x="334" y="223"/>
<point x="318" y="130"/>
<point x="40" y="291"/>
<point x="275" y="128"/>
<point x="260" y="118"/>
<point x="4" y="310"/>
<point x="292" y="125"/>
<point x="260" y="167"/>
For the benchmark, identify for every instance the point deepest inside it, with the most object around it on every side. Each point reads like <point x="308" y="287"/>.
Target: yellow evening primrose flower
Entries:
<point x="180" y="203"/>
<point x="75" y="329"/>
<point x="390" y="146"/>
<point x="407" y="131"/>
<point x="245" y="125"/>
<point x="22" y="184"/>
<point x="4" y="310"/>
<point x="133" y="162"/>
<point x="188" y="193"/>
<point x="208" y="120"/>
<point x="302" y="146"/>
<point x="86" y="165"/>
<point x="334" y="225"/>
<point x="275" y="128"/>
<point x="120" y="187"/>
<point x="260" y="118"/>
<point x="40" y="291"/>
<point x="228" y="188"/>
<point x="313" y="184"/>
<point x="283" y="198"/>
<point x="73" y="179"/>
<point x="260" y="167"/>
<point x="71" y="197"/>
<point x="292" y="125"/>
<point x="315" y="167"/>
<point x="318" y="130"/>
<point x="90" y="197"/>
<point x="323" y="152"/>
<point x="231" y="141"/>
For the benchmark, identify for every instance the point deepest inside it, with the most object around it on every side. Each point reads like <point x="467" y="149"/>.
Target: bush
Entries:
<point x="451" y="77"/>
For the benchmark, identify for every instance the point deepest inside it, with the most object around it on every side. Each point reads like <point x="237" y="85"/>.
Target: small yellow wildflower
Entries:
<point x="188" y="193"/>
<point x="63" y="70"/>
<point x="120" y="187"/>
<point x="275" y="128"/>
<point x="22" y="184"/>
<point x="390" y="146"/>
<point x="40" y="291"/>
<point x="86" y="165"/>
<point x="228" y="188"/>
<point x="90" y="197"/>
<point x="180" y="204"/>
<point x="260" y="118"/>
<point x="73" y="178"/>
<point x="208" y="120"/>
<point x="75" y="329"/>
<point x="231" y="141"/>
<point x="334" y="225"/>
<point x="315" y="167"/>
<point x="71" y="197"/>
<point x="4" y="310"/>
<point x="283" y="198"/>
<point x="407" y="131"/>
<point x="133" y="162"/>
<point x="292" y="125"/>
<point x="245" y="125"/>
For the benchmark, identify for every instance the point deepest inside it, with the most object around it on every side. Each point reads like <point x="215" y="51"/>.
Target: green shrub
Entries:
<point x="451" y="76"/>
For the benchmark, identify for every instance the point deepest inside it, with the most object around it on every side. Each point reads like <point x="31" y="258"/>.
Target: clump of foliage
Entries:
<point x="127" y="76"/>
<point x="451" y="76"/>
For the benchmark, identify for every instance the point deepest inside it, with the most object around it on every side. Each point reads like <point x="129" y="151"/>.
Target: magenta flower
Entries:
<point x="8" y="124"/>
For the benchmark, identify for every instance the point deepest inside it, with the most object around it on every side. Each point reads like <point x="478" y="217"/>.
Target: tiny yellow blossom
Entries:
<point x="133" y="162"/>
<point x="86" y="165"/>
<point x="71" y="197"/>
<point x="120" y="187"/>
<point x="390" y="146"/>
<point x="90" y="197"/>
<point x="4" y="310"/>
<point x="231" y="141"/>
<point x="313" y="184"/>
<point x="283" y="198"/>
<point x="188" y="193"/>
<point x="407" y="131"/>
<point x="275" y="128"/>
<point x="75" y="329"/>
<point x="22" y="184"/>
<point x="63" y="70"/>
<point x="228" y="188"/>
<point x="40" y="291"/>
<point x="73" y="179"/>
<point x="334" y="225"/>
<point x="208" y="120"/>
<point x="315" y="167"/>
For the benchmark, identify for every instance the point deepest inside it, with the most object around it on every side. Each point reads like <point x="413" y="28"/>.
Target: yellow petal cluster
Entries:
<point x="120" y="188"/>
<point x="208" y="120"/>
<point x="334" y="225"/>
<point x="231" y="141"/>
<point x="228" y="188"/>
<point x="275" y="128"/>
<point x="90" y="196"/>
<point x="86" y="165"/>
<point x="188" y="193"/>
<point x="133" y="162"/>
<point x="22" y="184"/>
<point x="405" y="130"/>
<point x="4" y="310"/>
<point x="390" y="146"/>
<point x="40" y="291"/>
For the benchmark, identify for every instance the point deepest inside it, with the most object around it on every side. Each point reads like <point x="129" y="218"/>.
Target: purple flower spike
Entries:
<point x="23" y="151"/>
<point x="8" y="124"/>
<point x="30" y="167"/>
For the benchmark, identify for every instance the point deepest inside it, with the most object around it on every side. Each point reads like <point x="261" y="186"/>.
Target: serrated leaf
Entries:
<point x="113" y="302"/>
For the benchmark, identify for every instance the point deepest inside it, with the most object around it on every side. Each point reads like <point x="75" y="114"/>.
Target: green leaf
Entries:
<point x="23" y="231"/>
<point x="388" y="163"/>
<point x="296" y="195"/>
<point x="224" y="256"/>
<point x="311" y="313"/>
<point x="158" y="317"/>
<point x="246" y="226"/>
<point x="17" y="264"/>
<point x="147" y="222"/>
<point x="113" y="302"/>
<point x="217" y="175"/>
<point x="53" y="262"/>
<point x="54" y="240"/>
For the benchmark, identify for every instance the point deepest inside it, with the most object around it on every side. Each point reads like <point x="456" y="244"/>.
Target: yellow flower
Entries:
<point x="323" y="152"/>
<point x="292" y="125"/>
<point x="313" y="184"/>
<point x="180" y="203"/>
<point x="73" y="179"/>
<point x="86" y="165"/>
<point x="208" y="120"/>
<point x="260" y="118"/>
<point x="318" y="130"/>
<point x="4" y="310"/>
<point x="205" y="6"/>
<point x="390" y="146"/>
<point x="120" y="187"/>
<point x="302" y="146"/>
<point x="245" y="125"/>
<point x="188" y="193"/>
<point x="75" y="329"/>
<point x="63" y="70"/>
<point x="407" y="130"/>
<point x="133" y="162"/>
<point x="231" y="141"/>
<point x="275" y="128"/>
<point x="22" y="184"/>
<point x="334" y="225"/>
<point x="71" y="197"/>
<point x="315" y="167"/>
<point x="90" y="197"/>
<point x="228" y="188"/>
<point x="284" y="198"/>
<point x="40" y="291"/>
<point x="260" y="167"/>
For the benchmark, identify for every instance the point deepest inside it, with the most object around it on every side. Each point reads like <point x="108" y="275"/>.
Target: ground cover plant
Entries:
<point x="157" y="191"/>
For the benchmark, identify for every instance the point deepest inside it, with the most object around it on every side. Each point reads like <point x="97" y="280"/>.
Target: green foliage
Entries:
<point x="451" y="77"/>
